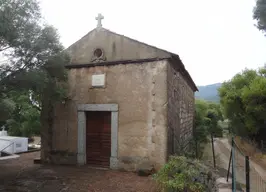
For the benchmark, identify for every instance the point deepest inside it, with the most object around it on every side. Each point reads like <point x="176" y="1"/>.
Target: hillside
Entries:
<point x="209" y="92"/>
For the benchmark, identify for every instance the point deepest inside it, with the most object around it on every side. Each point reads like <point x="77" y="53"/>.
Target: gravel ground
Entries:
<point x="21" y="175"/>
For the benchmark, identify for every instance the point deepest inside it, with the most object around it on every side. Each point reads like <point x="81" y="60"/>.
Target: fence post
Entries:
<point x="233" y="165"/>
<point x="228" y="170"/>
<point x="247" y="174"/>
<point x="213" y="153"/>
<point x="196" y="143"/>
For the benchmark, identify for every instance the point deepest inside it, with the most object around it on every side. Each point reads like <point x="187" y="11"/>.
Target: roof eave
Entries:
<point x="182" y="68"/>
<point x="118" y="62"/>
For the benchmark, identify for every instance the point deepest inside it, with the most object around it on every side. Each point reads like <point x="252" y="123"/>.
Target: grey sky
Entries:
<point x="214" y="38"/>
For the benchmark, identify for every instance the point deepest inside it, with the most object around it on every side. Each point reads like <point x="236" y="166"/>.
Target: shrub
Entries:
<point x="181" y="174"/>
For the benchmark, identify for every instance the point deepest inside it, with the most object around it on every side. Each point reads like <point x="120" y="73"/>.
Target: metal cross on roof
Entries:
<point x="99" y="19"/>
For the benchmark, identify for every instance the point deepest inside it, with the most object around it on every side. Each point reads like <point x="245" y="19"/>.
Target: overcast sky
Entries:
<point x="214" y="38"/>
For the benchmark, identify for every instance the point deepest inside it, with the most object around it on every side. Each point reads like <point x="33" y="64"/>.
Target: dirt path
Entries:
<point x="21" y="175"/>
<point x="223" y="149"/>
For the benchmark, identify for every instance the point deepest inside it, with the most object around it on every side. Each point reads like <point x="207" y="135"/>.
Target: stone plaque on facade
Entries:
<point x="98" y="80"/>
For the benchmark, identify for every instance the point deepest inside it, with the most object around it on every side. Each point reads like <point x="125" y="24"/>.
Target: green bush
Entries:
<point x="181" y="174"/>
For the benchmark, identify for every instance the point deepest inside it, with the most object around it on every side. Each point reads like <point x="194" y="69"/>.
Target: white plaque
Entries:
<point x="98" y="80"/>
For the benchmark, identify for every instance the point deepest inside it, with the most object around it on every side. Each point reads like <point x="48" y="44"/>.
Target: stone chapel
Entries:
<point x="129" y="102"/>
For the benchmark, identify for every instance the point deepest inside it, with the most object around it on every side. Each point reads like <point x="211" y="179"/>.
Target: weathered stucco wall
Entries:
<point x="140" y="91"/>
<point x="115" y="47"/>
<point x="180" y="110"/>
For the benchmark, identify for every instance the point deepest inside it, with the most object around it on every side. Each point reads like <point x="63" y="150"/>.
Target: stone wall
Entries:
<point x="141" y="95"/>
<point x="180" y="109"/>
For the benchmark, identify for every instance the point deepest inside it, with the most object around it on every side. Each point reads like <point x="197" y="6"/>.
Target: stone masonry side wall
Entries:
<point x="180" y="110"/>
<point x="140" y="90"/>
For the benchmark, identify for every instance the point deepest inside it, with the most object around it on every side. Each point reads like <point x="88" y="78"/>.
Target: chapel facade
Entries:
<point x="129" y="103"/>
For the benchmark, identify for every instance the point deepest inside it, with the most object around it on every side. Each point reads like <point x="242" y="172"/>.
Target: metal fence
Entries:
<point x="246" y="175"/>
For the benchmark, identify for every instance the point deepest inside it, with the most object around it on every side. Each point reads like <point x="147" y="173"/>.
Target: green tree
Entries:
<point x="259" y="14"/>
<point x="34" y="62"/>
<point x="25" y="119"/>
<point x="7" y="106"/>
<point x="200" y="128"/>
<point x="244" y="102"/>
<point x="207" y="116"/>
<point x="28" y="45"/>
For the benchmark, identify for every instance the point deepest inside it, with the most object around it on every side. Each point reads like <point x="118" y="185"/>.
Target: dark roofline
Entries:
<point x="107" y="63"/>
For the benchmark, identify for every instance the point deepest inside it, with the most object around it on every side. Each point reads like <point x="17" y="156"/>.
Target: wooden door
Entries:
<point x="98" y="140"/>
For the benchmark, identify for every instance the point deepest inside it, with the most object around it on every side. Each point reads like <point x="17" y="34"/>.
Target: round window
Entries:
<point x="98" y="53"/>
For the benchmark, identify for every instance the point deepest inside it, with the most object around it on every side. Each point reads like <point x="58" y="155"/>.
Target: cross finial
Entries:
<point x="99" y="19"/>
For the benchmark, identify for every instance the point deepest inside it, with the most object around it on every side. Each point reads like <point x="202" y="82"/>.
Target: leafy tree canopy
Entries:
<point x="259" y="14"/>
<point x="25" y="118"/>
<point x="207" y="118"/>
<point x="243" y="99"/>
<point x="32" y="61"/>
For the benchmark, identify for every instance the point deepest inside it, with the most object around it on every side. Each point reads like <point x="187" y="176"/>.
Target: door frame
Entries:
<point x="82" y="108"/>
